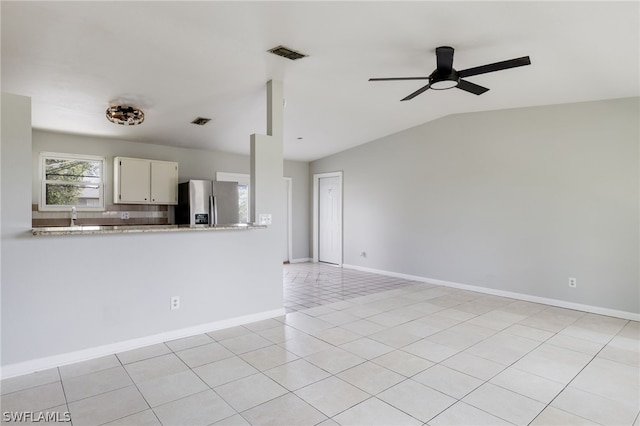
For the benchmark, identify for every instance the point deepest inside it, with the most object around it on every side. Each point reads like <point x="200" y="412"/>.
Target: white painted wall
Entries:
<point x="515" y="200"/>
<point x="70" y="293"/>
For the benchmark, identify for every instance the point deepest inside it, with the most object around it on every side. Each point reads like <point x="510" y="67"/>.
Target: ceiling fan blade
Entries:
<point x="444" y="58"/>
<point x="497" y="66"/>
<point x="398" y="78"/>
<point x="416" y="93"/>
<point x="467" y="86"/>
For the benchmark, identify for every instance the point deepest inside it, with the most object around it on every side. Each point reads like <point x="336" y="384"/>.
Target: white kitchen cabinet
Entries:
<point x="140" y="181"/>
<point x="132" y="180"/>
<point x="164" y="182"/>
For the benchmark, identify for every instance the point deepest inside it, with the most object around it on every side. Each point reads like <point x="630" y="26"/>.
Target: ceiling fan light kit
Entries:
<point x="444" y="82"/>
<point x="124" y="115"/>
<point x="446" y="77"/>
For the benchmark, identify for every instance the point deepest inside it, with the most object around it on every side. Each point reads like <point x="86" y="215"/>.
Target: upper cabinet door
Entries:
<point x="164" y="182"/>
<point x="134" y="177"/>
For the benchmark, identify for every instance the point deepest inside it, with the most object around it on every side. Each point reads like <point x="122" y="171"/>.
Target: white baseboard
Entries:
<point x="519" y="296"/>
<point x="301" y="260"/>
<point x="39" y="364"/>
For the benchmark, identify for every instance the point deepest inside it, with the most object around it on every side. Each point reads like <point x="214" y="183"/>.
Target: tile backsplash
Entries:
<point x="139" y="214"/>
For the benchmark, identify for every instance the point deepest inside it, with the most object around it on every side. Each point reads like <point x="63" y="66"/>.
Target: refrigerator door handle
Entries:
<point x="214" y="210"/>
<point x="212" y="219"/>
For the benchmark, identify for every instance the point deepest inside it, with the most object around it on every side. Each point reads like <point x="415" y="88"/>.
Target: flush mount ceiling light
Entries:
<point x="125" y="115"/>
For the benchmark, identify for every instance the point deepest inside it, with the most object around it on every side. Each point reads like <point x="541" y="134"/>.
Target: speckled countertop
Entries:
<point x="124" y="229"/>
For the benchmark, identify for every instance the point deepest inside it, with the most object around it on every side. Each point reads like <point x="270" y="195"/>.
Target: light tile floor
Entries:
<point x="307" y="285"/>
<point x="394" y="352"/>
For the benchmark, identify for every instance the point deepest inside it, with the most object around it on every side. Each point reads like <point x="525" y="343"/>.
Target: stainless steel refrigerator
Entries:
<point x="205" y="202"/>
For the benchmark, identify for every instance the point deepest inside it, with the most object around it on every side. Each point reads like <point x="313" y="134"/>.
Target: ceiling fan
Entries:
<point x="446" y="77"/>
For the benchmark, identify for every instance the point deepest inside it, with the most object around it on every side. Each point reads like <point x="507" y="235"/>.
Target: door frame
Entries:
<point x="316" y="204"/>
<point x="289" y="218"/>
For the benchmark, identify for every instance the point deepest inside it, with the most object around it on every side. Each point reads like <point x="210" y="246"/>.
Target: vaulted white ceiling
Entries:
<point x="181" y="60"/>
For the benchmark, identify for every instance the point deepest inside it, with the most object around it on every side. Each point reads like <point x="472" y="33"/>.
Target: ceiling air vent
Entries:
<point x="285" y="52"/>
<point x="201" y="121"/>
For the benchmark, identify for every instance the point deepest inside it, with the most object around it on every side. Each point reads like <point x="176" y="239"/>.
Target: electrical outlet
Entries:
<point x="124" y="215"/>
<point x="572" y="282"/>
<point x="175" y="302"/>
<point x="265" y="219"/>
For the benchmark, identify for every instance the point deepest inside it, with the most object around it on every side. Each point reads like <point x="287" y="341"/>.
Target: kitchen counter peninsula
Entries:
<point x="129" y="229"/>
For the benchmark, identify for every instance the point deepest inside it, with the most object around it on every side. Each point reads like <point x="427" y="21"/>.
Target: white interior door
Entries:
<point x="329" y="220"/>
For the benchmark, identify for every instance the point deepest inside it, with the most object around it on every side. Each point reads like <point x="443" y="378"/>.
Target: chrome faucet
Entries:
<point x="74" y="216"/>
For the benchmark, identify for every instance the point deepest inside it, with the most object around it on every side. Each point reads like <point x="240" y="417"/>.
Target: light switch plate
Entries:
<point x="265" y="219"/>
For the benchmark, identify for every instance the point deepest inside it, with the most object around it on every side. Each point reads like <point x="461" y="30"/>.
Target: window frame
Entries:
<point x="42" y="199"/>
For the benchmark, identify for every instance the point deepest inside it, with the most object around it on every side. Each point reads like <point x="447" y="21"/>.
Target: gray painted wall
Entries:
<point x="299" y="172"/>
<point x="194" y="164"/>
<point x="515" y="200"/>
<point x="72" y="293"/>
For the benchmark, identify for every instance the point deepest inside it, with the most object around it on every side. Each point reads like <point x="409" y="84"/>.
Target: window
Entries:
<point x="243" y="192"/>
<point x="68" y="180"/>
<point x="243" y="202"/>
